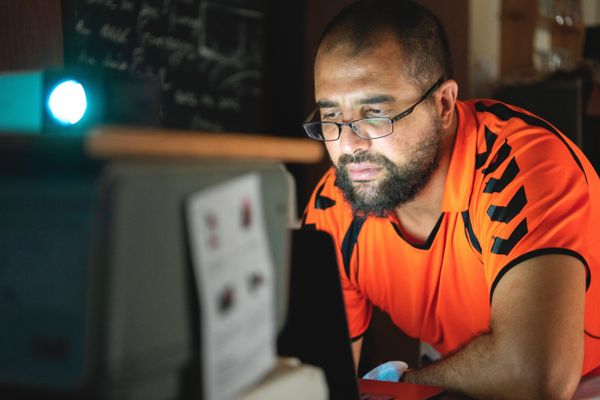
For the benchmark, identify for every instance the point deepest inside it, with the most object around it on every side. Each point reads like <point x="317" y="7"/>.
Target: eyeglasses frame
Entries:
<point x="398" y="117"/>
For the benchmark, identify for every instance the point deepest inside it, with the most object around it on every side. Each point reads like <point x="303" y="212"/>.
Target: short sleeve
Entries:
<point x="535" y="202"/>
<point x="327" y="211"/>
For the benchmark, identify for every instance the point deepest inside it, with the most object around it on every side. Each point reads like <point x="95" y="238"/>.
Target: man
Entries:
<point x="474" y="224"/>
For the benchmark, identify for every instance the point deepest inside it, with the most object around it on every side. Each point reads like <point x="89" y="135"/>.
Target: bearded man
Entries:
<point x="474" y="224"/>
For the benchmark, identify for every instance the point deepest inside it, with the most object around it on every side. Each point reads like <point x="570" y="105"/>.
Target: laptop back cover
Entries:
<point x="316" y="328"/>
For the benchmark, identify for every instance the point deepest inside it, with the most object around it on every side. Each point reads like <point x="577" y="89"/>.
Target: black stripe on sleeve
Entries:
<point x="349" y="242"/>
<point x="506" y="213"/>
<point x="505" y="113"/>
<point x="501" y="156"/>
<point x="470" y="232"/>
<point x="490" y="139"/>
<point x="304" y="225"/>
<point x="497" y="185"/>
<point x="541" y="252"/>
<point x="323" y="202"/>
<point x="505" y="246"/>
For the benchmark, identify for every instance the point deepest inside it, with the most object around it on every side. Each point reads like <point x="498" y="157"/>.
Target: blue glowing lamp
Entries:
<point x="67" y="102"/>
<point x="72" y="101"/>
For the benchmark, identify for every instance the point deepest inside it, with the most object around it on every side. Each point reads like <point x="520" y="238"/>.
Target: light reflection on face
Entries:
<point x="391" y="170"/>
<point x="399" y="183"/>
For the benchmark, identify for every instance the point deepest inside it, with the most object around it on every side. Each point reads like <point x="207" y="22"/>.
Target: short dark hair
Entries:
<point x="418" y="32"/>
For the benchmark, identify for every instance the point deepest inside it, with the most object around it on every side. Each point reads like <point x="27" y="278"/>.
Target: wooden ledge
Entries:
<point x="107" y="142"/>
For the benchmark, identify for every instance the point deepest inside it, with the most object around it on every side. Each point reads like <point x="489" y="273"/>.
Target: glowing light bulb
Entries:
<point x="67" y="102"/>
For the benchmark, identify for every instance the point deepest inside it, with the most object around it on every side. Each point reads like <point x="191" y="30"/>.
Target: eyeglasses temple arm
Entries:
<point x="409" y="110"/>
<point x="310" y="116"/>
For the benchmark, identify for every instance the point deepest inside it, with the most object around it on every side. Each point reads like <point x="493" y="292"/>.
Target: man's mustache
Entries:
<point x="361" y="158"/>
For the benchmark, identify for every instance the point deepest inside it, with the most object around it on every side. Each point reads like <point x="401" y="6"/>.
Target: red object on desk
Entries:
<point x="394" y="390"/>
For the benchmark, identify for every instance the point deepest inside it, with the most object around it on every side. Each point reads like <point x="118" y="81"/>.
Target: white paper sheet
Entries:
<point x="234" y="275"/>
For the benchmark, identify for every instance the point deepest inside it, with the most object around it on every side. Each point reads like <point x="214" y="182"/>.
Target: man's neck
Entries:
<point x="419" y="216"/>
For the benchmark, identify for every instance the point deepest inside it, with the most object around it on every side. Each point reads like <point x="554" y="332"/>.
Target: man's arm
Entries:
<point x="356" y="347"/>
<point x="534" y="348"/>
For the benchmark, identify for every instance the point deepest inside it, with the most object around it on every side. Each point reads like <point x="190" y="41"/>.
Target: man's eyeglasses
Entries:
<point x="366" y="128"/>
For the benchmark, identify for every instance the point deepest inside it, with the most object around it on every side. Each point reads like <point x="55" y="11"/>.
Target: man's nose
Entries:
<point x="350" y="143"/>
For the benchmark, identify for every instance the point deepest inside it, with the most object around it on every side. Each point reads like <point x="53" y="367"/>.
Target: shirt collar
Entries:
<point x="461" y="171"/>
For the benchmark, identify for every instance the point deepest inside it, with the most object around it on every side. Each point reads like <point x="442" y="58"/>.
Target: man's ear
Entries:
<point x="445" y="101"/>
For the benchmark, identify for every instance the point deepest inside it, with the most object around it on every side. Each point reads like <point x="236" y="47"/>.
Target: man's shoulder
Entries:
<point x="503" y="118"/>
<point x="326" y="189"/>
<point x="503" y="131"/>
<point x="327" y="205"/>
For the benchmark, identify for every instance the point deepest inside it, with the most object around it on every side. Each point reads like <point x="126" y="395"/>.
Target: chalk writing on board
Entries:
<point x="114" y="33"/>
<point x="113" y="63"/>
<point x="82" y="29"/>
<point x="206" y="55"/>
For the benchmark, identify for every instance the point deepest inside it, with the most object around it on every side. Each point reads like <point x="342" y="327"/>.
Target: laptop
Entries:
<point x="316" y="329"/>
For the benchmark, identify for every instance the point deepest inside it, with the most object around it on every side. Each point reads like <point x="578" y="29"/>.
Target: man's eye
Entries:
<point x="374" y="112"/>
<point x="329" y="116"/>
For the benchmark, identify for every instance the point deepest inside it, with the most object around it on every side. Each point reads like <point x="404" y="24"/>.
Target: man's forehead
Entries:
<point x="376" y="71"/>
<point x="383" y="55"/>
<point x="378" y="43"/>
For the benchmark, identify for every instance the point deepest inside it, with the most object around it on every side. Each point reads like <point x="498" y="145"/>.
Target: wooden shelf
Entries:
<point x="108" y="142"/>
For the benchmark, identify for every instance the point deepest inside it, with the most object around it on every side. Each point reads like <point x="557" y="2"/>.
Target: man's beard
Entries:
<point x="400" y="184"/>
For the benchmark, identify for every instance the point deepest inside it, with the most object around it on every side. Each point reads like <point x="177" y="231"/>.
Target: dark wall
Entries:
<point x="30" y="34"/>
<point x="284" y="67"/>
<point x="455" y="18"/>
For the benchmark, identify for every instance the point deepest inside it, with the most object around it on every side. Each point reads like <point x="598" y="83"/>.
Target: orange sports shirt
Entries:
<point x="516" y="188"/>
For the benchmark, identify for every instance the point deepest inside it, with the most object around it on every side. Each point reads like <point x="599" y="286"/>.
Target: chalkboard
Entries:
<point x="206" y="55"/>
